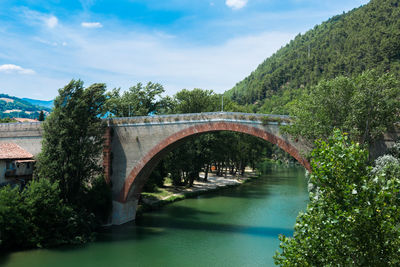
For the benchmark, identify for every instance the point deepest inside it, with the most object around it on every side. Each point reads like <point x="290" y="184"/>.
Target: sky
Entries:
<point x="208" y="44"/>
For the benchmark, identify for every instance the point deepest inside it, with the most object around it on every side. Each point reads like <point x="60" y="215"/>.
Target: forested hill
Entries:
<point x="11" y="107"/>
<point x="365" y="38"/>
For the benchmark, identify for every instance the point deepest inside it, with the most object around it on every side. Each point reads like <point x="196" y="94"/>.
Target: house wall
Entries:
<point x="22" y="168"/>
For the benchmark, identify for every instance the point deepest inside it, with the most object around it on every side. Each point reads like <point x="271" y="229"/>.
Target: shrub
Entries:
<point x="38" y="217"/>
<point x="352" y="218"/>
<point x="52" y="221"/>
<point x="98" y="200"/>
<point x="395" y="150"/>
<point x="14" y="226"/>
<point x="382" y="163"/>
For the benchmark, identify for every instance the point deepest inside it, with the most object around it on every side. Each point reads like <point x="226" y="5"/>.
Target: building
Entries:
<point x="16" y="164"/>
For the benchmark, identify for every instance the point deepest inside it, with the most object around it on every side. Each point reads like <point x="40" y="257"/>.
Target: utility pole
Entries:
<point x="222" y="104"/>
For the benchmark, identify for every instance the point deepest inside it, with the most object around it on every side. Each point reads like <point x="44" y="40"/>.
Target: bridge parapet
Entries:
<point x="17" y="129"/>
<point x="196" y="117"/>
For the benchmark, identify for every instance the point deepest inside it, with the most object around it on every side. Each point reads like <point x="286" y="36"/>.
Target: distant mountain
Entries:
<point x="365" y="38"/>
<point x="42" y="103"/>
<point x="14" y="107"/>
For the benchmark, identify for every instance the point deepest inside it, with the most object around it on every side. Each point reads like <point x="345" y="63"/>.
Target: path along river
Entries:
<point x="233" y="227"/>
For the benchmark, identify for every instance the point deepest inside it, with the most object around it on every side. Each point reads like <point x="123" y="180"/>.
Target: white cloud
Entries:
<point x="11" y="68"/>
<point x="51" y="21"/>
<point x="123" y="59"/>
<point x="121" y="62"/>
<point x="38" y="18"/>
<point x="91" y="25"/>
<point x="87" y="4"/>
<point x="236" y="4"/>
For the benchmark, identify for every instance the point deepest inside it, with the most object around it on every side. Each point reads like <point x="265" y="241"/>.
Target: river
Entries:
<point x="233" y="227"/>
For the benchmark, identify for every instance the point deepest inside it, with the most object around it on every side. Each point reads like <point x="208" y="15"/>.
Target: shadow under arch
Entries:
<point x="138" y="176"/>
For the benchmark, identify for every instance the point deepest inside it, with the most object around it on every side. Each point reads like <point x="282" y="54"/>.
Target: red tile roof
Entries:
<point x="13" y="151"/>
<point x="25" y="120"/>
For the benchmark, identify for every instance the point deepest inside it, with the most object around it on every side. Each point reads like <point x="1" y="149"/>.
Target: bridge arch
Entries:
<point x="138" y="176"/>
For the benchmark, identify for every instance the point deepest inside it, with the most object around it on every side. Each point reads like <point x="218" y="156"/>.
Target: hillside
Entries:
<point x="364" y="38"/>
<point x="41" y="103"/>
<point x="11" y="106"/>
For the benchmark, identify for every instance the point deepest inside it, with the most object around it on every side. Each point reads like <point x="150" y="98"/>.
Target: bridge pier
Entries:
<point x="124" y="212"/>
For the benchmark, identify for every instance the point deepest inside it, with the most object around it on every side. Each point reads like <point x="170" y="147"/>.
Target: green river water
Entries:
<point x="233" y="227"/>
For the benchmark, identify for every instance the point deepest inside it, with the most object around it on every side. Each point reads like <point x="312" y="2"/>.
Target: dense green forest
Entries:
<point x="347" y="44"/>
<point x="11" y="106"/>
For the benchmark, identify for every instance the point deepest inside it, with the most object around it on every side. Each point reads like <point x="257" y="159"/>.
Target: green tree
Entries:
<point x="73" y="139"/>
<point x="14" y="226"/>
<point x="51" y="221"/>
<point x="375" y="106"/>
<point x="41" y="116"/>
<point x="322" y="108"/>
<point x="38" y="217"/>
<point x="353" y="216"/>
<point x="367" y="106"/>
<point x="196" y="101"/>
<point x="139" y="100"/>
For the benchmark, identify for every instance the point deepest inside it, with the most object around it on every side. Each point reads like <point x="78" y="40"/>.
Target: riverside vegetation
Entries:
<point x="68" y="197"/>
<point x="353" y="216"/>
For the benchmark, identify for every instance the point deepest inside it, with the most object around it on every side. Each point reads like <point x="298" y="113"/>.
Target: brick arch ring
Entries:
<point x="143" y="169"/>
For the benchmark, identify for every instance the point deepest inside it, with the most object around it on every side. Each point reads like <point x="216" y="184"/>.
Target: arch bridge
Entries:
<point x="135" y="145"/>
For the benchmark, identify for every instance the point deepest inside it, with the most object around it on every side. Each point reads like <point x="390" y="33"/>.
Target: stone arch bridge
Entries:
<point x="133" y="146"/>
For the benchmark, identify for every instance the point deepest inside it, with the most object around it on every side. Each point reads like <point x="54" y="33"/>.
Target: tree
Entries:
<point x="139" y="100"/>
<point x="196" y="101"/>
<point x="37" y="217"/>
<point x="13" y="218"/>
<point x="51" y="221"/>
<point x="323" y="108"/>
<point x="41" y="116"/>
<point x="375" y="106"/>
<point x="73" y="139"/>
<point x="353" y="216"/>
<point x="367" y="106"/>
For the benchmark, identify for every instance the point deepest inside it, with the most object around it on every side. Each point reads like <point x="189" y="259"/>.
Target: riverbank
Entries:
<point x="169" y="193"/>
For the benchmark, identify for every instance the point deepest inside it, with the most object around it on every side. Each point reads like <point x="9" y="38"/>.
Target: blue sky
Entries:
<point x="209" y="44"/>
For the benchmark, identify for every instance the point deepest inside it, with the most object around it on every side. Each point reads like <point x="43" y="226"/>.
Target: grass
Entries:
<point x="169" y="194"/>
<point x="159" y="193"/>
<point x="267" y="120"/>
